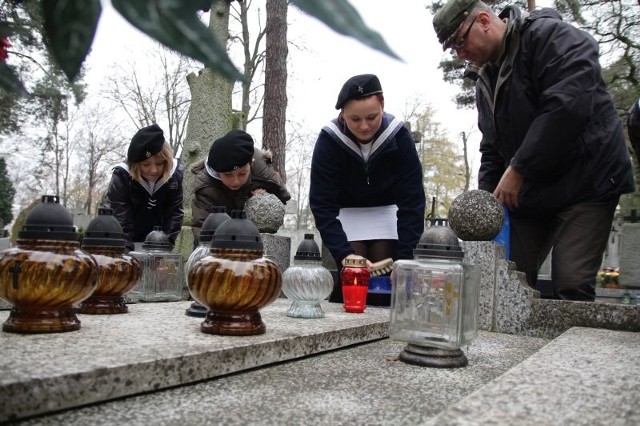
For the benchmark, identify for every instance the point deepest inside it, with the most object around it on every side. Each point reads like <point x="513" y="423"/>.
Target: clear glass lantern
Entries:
<point x="217" y="216"/>
<point x="307" y="282"/>
<point x="162" y="271"/>
<point x="434" y="303"/>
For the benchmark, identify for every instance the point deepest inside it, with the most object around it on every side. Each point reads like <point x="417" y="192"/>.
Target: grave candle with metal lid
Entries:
<point x="434" y="301"/>
<point x="117" y="272"/>
<point x="307" y="282"/>
<point x="217" y="216"/>
<point x="162" y="270"/>
<point x="354" y="277"/>
<point x="235" y="280"/>
<point x="47" y="273"/>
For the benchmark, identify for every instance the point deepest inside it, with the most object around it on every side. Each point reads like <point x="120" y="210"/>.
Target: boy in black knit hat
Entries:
<point x="232" y="172"/>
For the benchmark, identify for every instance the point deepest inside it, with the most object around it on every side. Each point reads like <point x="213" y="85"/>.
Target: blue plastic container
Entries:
<point x="503" y="236"/>
<point x="380" y="284"/>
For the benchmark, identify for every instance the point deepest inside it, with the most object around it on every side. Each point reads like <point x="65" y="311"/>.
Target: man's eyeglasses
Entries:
<point x="459" y="43"/>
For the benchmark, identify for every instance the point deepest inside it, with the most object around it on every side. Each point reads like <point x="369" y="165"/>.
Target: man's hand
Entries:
<point x="509" y="187"/>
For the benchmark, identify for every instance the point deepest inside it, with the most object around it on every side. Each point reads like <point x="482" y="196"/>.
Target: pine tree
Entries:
<point x="7" y="191"/>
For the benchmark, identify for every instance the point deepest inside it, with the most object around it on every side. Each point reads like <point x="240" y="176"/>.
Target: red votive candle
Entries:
<point x="355" y="284"/>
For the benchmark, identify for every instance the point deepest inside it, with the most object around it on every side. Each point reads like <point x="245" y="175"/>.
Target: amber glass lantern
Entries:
<point x="307" y="282"/>
<point x="434" y="301"/>
<point x="235" y="280"/>
<point x="117" y="272"/>
<point x="47" y="273"/>
<point x="217" y="216"/>
<point x="162" y="273"/>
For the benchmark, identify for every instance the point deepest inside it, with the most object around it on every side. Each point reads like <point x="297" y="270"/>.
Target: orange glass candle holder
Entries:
<point x="235" y="280"/>
<point x="118" y="272"/>
<point x="47" y="273"/>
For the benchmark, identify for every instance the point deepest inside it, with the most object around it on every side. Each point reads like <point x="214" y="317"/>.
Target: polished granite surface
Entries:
<point x="155" y="346"/>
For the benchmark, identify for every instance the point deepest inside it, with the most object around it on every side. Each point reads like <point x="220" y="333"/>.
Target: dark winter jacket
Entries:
<point x="633" y="126"/>
<point x="340" y="178"/>
<point x="209" y="191"/>
<point x="138" y="211"/>
<point x="546" y="112"/>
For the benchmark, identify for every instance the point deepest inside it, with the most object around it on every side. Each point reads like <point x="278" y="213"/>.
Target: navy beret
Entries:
<point x="231" y="151"/>
<point x="358" y="86"/>
<point x="146" y="142"/>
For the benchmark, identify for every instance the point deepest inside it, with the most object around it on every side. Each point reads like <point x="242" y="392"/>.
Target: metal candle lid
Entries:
<point x="308" y="249"/>
<point x="157" y="240"/>
<point x="350" y="261"/>
<point x="237" y="233"/>
<point x="104" y="230"/>
<point x="217" y="216"/>
<point x="49" y="220"/>
<point x="439" y="241"/>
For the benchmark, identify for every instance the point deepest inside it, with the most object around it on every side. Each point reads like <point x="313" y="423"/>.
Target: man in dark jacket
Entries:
<point x="553" y="148"/>
<point x="633" y="127"/>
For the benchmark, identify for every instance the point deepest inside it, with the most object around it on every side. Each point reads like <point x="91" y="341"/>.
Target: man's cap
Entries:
<point x="147" y="142"/>
<point x="231" y="151"/>
<point x="448" y="19"/>
<point x="358" y="86"/>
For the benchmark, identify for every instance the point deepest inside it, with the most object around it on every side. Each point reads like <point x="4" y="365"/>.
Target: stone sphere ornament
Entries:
<point x="476" y="215"/>
<point x="47" y="274"/>
<point x="266" y="211"/>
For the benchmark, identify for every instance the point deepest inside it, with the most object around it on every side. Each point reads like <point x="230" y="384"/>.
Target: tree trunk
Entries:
<point x="210" y="115"/>
<point x="467" y="166"/>
<point x="275" y="84"/>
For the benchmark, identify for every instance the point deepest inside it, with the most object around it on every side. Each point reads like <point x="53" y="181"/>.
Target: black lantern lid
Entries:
<point x="308" y="249"/>
<point x="237" y="233"/>
<point x="104" y="230"/>
<point x="157" y="240"/>
<point x="439" y="241"/>
<point x="217" y="216"/>
<point x="49" y="220"/>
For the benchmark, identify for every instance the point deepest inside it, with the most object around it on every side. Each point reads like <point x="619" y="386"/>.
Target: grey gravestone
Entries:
<point x="628" y="255"/>
<point x="5" y="243"/>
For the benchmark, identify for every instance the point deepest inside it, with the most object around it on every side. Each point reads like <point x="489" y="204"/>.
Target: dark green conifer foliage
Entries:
<point x="7" y="191"/>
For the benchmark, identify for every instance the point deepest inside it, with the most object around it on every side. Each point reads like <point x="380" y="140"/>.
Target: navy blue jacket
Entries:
<point x="340" y="178"/>
<point x="547" y="113"/>
<point x="633" y="127"/>
<point x="138" y="211"/>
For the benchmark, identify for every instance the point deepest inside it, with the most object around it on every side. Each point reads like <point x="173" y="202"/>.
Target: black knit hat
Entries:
<point x="231" y="151"/>
<point x="358" y="86"/>
<point x="146" y="142"/>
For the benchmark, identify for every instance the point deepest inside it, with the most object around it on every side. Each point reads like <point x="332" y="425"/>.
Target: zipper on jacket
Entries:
<point x="366" y="171"/>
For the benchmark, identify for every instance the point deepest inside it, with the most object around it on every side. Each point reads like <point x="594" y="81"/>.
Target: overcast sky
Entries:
<point x="328" y="59"/>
